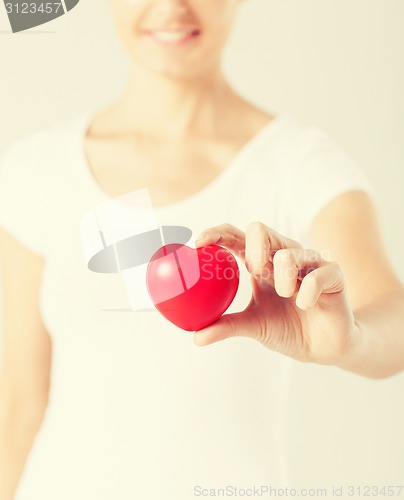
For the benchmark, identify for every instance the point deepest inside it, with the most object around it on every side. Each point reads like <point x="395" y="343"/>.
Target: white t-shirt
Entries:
<point x="136" y="410"/>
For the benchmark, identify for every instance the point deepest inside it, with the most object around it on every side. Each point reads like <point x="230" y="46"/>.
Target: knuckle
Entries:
<point x="312" y="255"/>
<point x="335" y="266"/>
<point x="337" y="271"/>
<point x="232" y="237"/>
<point x="292" y="243"/>
<point x="228" y="227"/>
<point x="296" y="244"/>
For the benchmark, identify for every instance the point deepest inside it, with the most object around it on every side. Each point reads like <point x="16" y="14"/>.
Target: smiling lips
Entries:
<point x="173" y="37"/>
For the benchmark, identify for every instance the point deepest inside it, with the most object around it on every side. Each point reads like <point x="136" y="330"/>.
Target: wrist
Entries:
<point x="355" y="359"/>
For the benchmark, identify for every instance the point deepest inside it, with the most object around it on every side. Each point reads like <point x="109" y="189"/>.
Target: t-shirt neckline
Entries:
<point x="246" y="151"/>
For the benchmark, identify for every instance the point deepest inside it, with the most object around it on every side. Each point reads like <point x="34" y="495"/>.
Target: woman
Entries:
<point x="101" y="405"/>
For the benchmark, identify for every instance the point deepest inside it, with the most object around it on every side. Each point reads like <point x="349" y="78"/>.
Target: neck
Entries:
<point x="158" y="105"/>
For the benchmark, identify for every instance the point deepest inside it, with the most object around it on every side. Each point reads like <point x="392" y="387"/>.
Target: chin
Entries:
<point x="174" y="72"/>
<point x="185" y="70"/>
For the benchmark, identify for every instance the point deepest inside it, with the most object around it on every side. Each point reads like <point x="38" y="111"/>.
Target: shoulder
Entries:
<point x="320" y="170"/>
<point x="295" y="148"/>
<point x="300" y="138"/>
<point x="287" y="132"/>
<point x="34" y="183"/>
<point x="284" y="143"/>
<point x="297" y="168"/>
<point x="40" y="148"/>
<point x="36" y="168"/>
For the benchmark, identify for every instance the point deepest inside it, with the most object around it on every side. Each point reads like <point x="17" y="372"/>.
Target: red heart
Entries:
<point x="191" y="287"/>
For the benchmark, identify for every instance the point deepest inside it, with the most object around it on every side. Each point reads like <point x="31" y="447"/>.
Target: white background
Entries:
<point x="337" y="64"/>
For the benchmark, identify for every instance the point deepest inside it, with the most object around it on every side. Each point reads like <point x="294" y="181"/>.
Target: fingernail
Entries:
<point x="213" y="238"/>
<point x="200" y="238"/>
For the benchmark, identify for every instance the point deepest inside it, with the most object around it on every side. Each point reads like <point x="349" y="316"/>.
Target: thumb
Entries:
<point x="240" y="324"/>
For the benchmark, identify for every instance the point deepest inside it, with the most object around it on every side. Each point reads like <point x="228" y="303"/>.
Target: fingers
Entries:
<point x="290" y="266"/>
<point x="256" y="247"/>
<point x="230" y="325"/>
<point x="225" y="235"/>
<point x="274" y="258"/>
<point x="262" y="243"/>
<point x="286" y="272"/>
<point x="326" y="279"/>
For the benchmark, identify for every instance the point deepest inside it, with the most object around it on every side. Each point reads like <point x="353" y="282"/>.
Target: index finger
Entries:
<point x="262" y="243"/>
<point x="261" y="236"/>
<point x="226" y="235"/>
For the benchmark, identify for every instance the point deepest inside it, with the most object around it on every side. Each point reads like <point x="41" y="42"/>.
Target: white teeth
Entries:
<point x="171" y="36"/>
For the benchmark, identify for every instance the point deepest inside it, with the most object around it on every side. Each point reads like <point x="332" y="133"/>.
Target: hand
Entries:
<point x="299" y="305"/>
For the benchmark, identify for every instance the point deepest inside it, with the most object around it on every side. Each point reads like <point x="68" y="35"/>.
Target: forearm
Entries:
<point x="378" y="349"/>
<point x="16" y="437"/>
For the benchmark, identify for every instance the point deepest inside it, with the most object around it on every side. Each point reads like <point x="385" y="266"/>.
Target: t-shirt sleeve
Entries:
<point x="21" y="195"/>
<point x="320" y="171"/>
